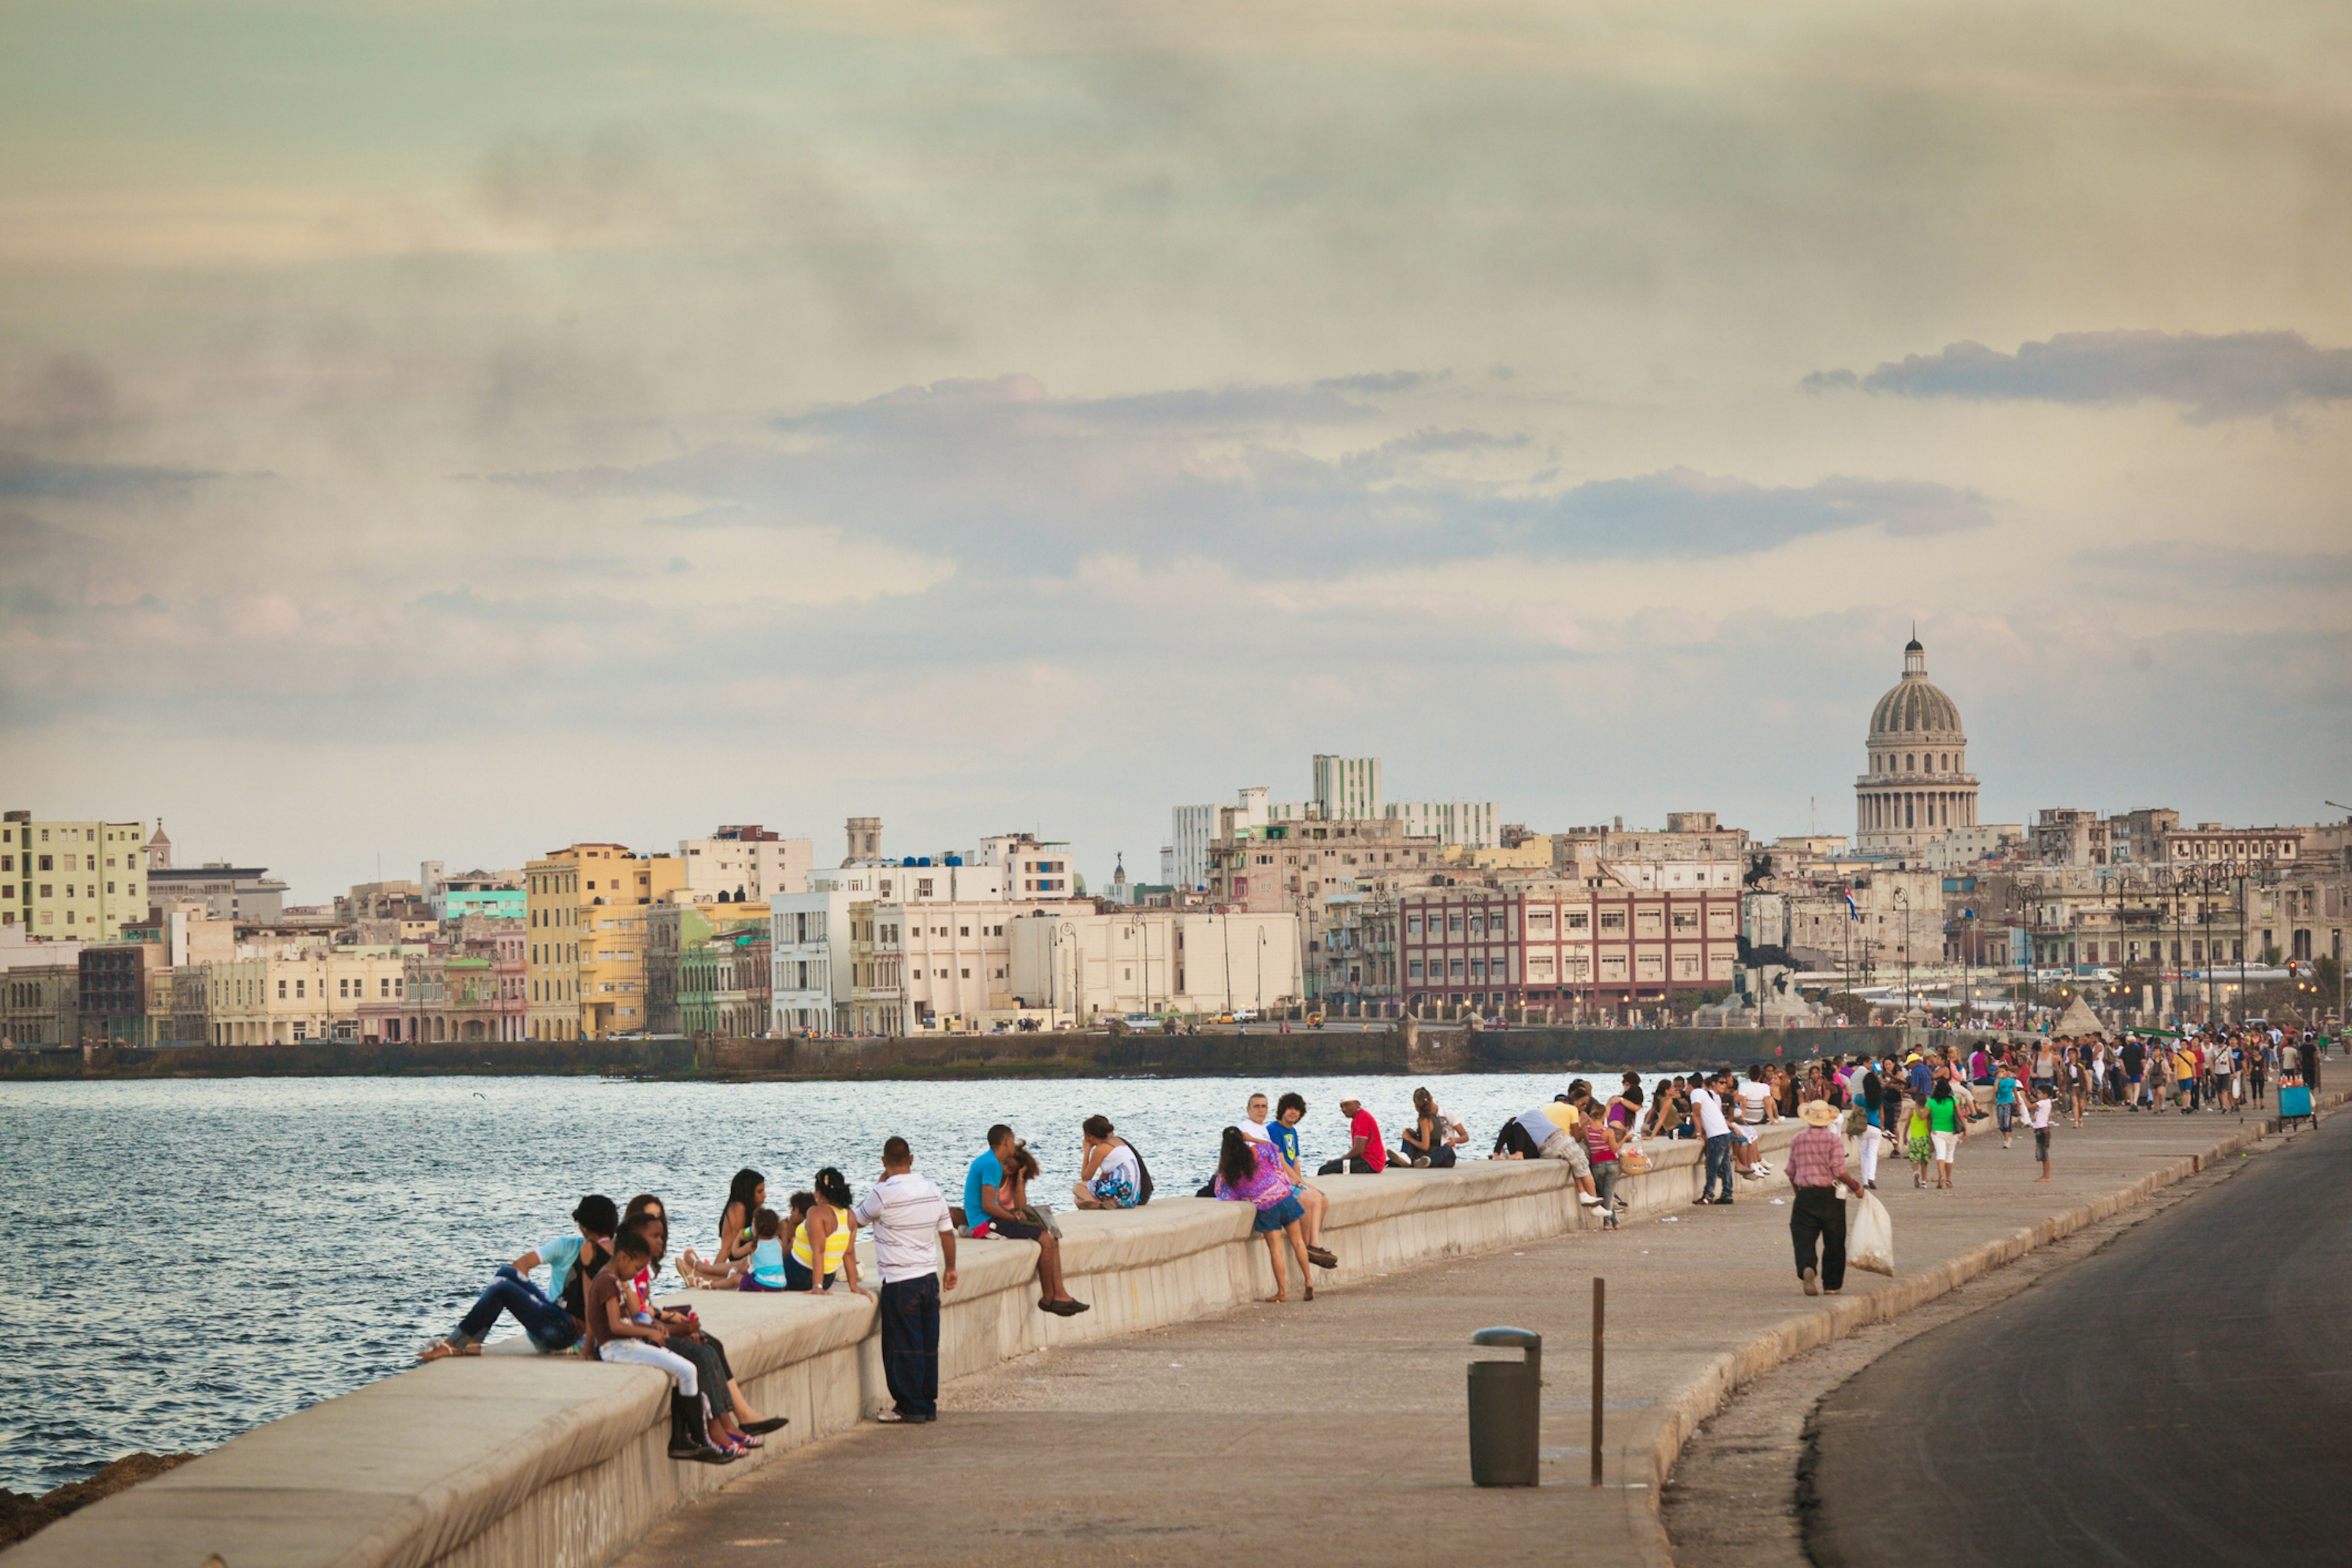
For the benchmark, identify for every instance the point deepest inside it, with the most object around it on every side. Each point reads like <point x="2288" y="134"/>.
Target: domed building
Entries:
<point x="1919" y="787"/>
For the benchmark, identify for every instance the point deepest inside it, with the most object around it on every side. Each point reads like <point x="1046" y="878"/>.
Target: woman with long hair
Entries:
<point x="746" y="1194"/>
<point x="1249" y="1171"/>
<point x="1426" y="1140"/>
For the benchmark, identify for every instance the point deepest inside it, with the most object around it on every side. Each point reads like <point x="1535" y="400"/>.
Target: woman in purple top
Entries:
<point x="1251" y="1171"/>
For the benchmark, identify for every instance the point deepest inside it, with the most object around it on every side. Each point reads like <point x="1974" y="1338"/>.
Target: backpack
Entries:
<point x="1142" y="1175"/>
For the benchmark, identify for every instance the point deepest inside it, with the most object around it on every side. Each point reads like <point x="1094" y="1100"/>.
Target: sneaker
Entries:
<point x="1588" y="1200"/>
<point x="1813" y="1282"/>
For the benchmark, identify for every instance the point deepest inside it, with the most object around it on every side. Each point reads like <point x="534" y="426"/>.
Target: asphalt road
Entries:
<point x="2182" y="1397"/>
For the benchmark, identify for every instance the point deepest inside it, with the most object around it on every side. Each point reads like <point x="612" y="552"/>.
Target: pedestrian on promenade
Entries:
<point x="1706" y="1109"/>
<point x="1947" y="1126"/>
<point x="1916" y="1142"/>
<point x="2078" y="1082"/>
<point x="543" y="1313"/>
<point x="1874" y="1121"/>
<point x="1368" y="1153"/>
<point x="1817" y="1217"/>
<point x="1110" y="1175"/>
<point x="2042" y="1105"/>
<point x="2135" y="1061"/>
<point x="987" y="1215"/>
<point x="1551" y="1131"/>
<point x="2004" y="1101"/>
<point x="912" y="1231"/>
<point x="1249" y="1171"/>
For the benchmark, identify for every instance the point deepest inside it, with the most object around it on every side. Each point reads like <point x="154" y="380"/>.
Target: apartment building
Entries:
<point x="1113" y="964"/>
<point x="126" y="989"/>
<point x="72" y="880"/>
<point x="312" y="994"/>
<point x="1298" y="868"/>
<point x="585" y="908"/>
<point x="1032" y="868"/>
<point x="1551" y="942"/>
<point x="676" y="930"/>
<point x="745" y="863"/>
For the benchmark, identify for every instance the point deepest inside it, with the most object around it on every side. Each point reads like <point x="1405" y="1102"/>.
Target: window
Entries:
<point x="1454" y="920"/>
<point x="1413" y="969"/>
<point x="1412" y="925"/>
<point x="1457" y="969"/>
<point x="1613" y="919"/>
<point x="1579" y="920"/>
<point x="281" y="991"/>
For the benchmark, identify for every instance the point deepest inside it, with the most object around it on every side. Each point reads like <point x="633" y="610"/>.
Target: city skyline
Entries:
<point x="448" y="436"/>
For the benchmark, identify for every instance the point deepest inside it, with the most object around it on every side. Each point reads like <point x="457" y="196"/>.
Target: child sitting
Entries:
<point x="767" y="1270"/>
<point x="619" y="1330"/>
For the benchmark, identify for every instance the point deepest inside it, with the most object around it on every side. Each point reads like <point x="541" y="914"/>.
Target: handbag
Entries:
<point x="1041" y="1217"/>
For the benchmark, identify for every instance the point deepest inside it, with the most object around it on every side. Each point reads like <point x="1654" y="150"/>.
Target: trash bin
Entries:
<point x="1505" y="1410"/>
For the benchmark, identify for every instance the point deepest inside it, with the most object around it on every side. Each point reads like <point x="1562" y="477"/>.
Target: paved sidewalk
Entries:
<point x="1336" y="1429"/>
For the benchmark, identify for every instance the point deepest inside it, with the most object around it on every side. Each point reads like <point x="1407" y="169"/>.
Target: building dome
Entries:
<point x="1916" y="707"/>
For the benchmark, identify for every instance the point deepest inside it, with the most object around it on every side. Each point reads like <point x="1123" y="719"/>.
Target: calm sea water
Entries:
<point x="194" y="1257"/>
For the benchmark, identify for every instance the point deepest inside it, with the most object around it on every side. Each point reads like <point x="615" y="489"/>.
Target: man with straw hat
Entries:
<point x="1817" y="1217"/>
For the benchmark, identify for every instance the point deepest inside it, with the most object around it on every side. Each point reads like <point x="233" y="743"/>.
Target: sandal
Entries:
<point x="1310" y="1292"/>
<point x="1322" y="1257"/>
<point x="439" y="1350"/>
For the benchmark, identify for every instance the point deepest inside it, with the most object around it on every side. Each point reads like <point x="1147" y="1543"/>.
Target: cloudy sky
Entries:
<point x="437" y="429"/>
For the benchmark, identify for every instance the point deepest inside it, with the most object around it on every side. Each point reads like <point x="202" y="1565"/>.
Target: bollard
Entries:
<point x="1507" y="1411"/>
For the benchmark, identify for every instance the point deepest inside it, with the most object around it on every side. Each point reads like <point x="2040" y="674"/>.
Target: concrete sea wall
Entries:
<point x="1304" y="1052"/>
<point x="516" y="1460"/>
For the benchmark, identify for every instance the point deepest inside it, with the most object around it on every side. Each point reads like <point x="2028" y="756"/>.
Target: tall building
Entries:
<point x="81" y="881"/>
<point x="865" y="844"/>
<point x="1473" y="823"/>
<point x="1347" y="787"/>
<point x="1917" y="786"/>
<point x="585" y="911"/>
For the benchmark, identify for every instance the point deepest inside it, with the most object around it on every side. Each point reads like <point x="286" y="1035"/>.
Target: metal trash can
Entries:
<point x="1506" y="1410"/>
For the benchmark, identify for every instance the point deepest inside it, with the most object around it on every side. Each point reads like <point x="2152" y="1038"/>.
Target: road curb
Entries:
<point x="1724" y="1376"/>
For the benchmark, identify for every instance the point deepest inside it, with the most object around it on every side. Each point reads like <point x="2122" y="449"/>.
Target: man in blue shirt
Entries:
<point x="1922" y="1076"/>
<point x="984" y="1205"/>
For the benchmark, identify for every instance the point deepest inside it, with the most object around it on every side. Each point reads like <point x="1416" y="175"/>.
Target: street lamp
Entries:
<point x="1903" y="904"/>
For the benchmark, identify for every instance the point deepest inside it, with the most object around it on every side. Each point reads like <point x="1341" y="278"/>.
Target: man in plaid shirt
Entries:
<point x="1816" y="1167"/>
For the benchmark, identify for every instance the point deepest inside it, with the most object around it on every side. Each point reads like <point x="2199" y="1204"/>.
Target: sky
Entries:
<point x="438" y="430"/>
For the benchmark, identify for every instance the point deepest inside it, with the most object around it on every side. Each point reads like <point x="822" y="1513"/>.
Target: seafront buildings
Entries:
<point x="1344" y="902"/>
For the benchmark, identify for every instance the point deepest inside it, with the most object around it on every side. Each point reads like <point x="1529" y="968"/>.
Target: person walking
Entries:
<point x="911" y="1230"/>
<point x="1946" y="1127"/>
<point x="1817" y="1219"/>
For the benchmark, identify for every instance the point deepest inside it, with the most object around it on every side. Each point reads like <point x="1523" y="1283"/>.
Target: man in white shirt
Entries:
<point x="1706" y="1104"/>
<point x="910" y="1225"/>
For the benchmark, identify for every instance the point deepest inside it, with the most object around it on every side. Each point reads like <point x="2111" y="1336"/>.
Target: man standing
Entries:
<point x="1708" y="1105"/>
<point x="1817" y="1219"/>
<point x="911" y="1225"/>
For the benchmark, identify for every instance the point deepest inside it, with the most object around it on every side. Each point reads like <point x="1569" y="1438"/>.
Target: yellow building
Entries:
<point x="585" y="908"/>
<point x="310" y="995"/>
<point x="81" y="881"/>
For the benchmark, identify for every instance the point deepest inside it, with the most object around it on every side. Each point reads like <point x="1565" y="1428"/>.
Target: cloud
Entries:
<point x="1001" y="476"/>
<point x="36" y="479"/>
<point x="2224" y="376"/>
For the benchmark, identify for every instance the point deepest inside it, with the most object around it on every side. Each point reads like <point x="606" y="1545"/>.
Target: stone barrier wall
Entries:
<point x="517" y="1460"/>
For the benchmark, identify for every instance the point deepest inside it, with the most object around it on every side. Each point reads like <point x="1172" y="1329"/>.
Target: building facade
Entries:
<point x="586" y="908"/>
<point x="1917" y="786"/>
<point x="747" y="864"/>
<point x="81" y="881"/>
<point x="1553" y="942"/>
<point x="1091" y="966"/>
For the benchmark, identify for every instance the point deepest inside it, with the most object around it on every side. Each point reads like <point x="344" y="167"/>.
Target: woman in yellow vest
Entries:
<point x="829" y="1232"/>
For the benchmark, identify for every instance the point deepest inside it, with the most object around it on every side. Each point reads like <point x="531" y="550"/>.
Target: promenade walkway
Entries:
<point x="1336" y="1430"/>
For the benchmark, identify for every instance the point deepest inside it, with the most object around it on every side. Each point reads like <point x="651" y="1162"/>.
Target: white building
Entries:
<point x="1153" y="961"/>
<point x="1918" y="786"/>
<point x="1475" y="823"/>
<point x="745" y="863"/>
<point x="1347" y="787"/>
<point x="827" y="961"/>
<point x="1032" y="868"/>
<point x="1965" y="846"/>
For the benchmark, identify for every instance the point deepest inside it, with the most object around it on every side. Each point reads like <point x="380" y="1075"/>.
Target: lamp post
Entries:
<point x="1903" y="905"/>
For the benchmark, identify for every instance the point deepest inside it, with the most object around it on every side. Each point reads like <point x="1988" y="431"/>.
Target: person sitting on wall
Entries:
<point x="1550" y="1132"/>
<point x="1367" y="1153"/>
<point x="554" y="1318"/>
<point x="1283" y="1133"/>
<point x="1110" y="1172"/>
<point x="1429" y="1142"/>
<point x="988" y="1217"/>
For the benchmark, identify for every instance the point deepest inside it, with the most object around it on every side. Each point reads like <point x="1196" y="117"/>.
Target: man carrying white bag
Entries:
<point x="1817" y="1219"/>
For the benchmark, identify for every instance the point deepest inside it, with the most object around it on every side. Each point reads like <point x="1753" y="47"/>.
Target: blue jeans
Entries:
<point x="910" y="1311"/>
<point x="551" y="1328"/>
<point x="1718" y="1154"/>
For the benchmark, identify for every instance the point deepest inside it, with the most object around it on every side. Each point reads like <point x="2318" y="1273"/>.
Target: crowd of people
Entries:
<point x="599" y="1301"/>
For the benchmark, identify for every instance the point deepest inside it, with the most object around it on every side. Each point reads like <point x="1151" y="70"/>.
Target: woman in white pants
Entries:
<point x="1873" y="1110"/>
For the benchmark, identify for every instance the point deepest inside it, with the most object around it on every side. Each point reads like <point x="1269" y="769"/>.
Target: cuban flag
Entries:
<point x="1852" y="912"/>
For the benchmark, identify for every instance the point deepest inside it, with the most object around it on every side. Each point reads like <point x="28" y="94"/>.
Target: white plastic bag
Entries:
<point x="1869" y="1234"/>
